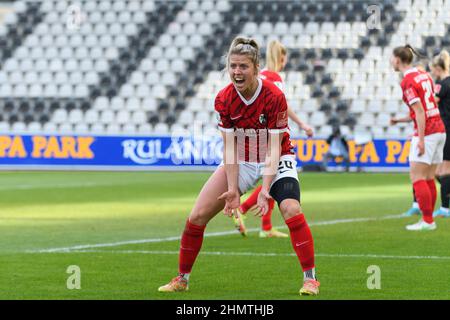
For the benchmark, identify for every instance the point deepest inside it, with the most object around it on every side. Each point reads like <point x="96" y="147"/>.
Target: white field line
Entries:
<point x="60" y="185"/>
<point x="212" y="234"/>
<point x="268" y="254"/>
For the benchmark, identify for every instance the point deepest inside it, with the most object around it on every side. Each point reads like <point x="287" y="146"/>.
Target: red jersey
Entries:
<point x="418" y="86"/>
<point x="272" y="76"/>
<point x="252" y="120"/>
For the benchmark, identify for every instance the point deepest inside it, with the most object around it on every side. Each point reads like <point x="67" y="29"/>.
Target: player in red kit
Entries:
<point x="276" y="56"/>
<point x="253" y="121"/>
<point x="428" y="141"/>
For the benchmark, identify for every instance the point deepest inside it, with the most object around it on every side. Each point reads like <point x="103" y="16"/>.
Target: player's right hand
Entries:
<point x="393" y="121"/>
<point x="262" y="203"/>
<point x="232" y="202"/>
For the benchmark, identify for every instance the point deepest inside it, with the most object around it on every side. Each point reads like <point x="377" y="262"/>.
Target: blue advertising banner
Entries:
<point x="172" y="153"/>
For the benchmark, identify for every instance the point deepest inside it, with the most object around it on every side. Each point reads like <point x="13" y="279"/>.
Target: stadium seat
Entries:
<point x="161" y="128"/>
<point x="142" y="52"/>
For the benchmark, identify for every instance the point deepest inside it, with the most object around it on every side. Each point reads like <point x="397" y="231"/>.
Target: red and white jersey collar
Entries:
<point x="410" y="70"/>
<point x="255" y="96"/>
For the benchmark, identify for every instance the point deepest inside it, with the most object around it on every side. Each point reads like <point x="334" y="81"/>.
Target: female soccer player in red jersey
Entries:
<point x="276" y="56"/>
<point x="253" y="121"/>
<point x="428" y="141"/>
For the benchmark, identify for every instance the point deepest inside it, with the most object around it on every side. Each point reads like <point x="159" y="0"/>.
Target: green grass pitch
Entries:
<point x="353" y="217"/>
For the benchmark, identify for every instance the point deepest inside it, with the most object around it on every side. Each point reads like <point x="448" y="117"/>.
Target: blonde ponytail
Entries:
<point x="275" y="51"/>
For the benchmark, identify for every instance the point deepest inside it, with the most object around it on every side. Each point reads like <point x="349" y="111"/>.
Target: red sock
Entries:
<point x="251" y="201"/>
<point x="424" y="198"/>
<point x="191" y="242"/>
<point x="302" y="241"/>
<point x="267" y="218"/>
<point x="432" y="187"/>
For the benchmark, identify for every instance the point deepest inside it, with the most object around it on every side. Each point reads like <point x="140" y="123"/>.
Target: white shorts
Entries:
<point x="250" y="172"/>
<point x="434" y="149"/>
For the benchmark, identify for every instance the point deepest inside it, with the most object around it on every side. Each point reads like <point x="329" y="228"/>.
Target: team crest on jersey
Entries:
<point x="262" y="118"/>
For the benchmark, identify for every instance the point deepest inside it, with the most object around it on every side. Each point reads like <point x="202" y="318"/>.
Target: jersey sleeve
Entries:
<point x="223" y="116"/>
<point x="279" y="84"/>
<point x="411" y="93"/>
<point x="278" y="115"/>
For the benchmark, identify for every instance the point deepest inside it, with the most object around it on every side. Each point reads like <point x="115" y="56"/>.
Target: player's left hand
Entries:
<point x="262" y="203"/>
<point x="232" y="202"/>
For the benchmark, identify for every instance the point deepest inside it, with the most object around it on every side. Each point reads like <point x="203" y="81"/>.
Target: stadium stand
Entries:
<point x="141" y="67"/>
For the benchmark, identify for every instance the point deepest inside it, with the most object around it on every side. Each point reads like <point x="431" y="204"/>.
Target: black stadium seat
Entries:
<point x="171" y="119"/>
<point x="326" y="79"/>
<point x="311" y="58"/>
<point x="317" y="92"/>
<point x="325" y="107"/>
<point x="44" y="118"/>
<point x="334" y="120"/>
<point x="180" y="106"/>
<point x="343" y="54"/>
<point x="28" y="118"/>
<point x="153" y="119"/>
<point x="334" y="93"/>
<point x="341" y="107"/>
<point x="350" y="121"/>
<point x="358" y="54"/>
<point x="13" y="118"/>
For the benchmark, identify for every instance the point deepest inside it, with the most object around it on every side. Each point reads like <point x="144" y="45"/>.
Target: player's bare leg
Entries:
<point x="206" y="207"/>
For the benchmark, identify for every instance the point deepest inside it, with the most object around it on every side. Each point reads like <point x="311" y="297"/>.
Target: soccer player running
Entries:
<point x="440" y="70"/>
<point x="276" y="59"/>
<point x="250" y="109"/>
<point x="429" y="133"/>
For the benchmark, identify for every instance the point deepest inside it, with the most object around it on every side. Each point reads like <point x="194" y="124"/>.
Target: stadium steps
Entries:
<point x="206" y="58"/>
<point x="37" y="110"/>
<point x="129" y="59"/>
<point x="22" y="25"/>
<point x="312" y="62"/>
<point x="20" y="112"/>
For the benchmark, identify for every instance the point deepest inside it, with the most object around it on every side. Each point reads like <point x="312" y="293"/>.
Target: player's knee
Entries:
<point x="199" y="216"/>
<point x="290" y="208"/>
<point x="417" y="177"/>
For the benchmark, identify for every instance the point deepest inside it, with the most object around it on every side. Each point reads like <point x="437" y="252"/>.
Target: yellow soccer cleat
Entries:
<point x="177" y="284"/>
<point x="272" y="233"/>
<point x="239" y="223"/>
<point x="310" y="288"/>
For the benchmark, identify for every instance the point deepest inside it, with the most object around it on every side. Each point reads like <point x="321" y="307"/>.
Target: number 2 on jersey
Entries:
<point x="426" y="85"/>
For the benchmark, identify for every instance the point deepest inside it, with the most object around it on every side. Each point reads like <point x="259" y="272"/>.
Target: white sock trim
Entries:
<point x="310" y="274"/>
<point x="185" y="276"/>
